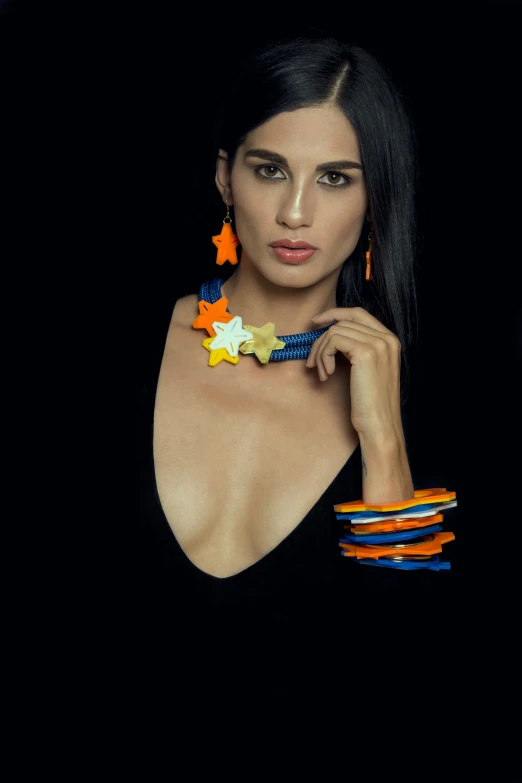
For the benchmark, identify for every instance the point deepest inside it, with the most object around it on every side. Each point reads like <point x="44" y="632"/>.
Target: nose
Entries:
<point x="296" y="207"/>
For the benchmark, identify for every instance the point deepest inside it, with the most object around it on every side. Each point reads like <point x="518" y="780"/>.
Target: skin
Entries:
<point x="295" y="202"/>
<point x="326" y="209"/>
<point x="248" y="420"/>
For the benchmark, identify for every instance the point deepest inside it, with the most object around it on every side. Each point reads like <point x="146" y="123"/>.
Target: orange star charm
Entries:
<point x="226" y="243"/>
<point x="208" y="313"/>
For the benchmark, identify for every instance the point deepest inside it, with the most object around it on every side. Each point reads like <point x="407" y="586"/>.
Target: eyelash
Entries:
<point x="348" y="180"/>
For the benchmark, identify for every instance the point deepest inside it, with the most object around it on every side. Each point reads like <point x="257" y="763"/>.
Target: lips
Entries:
<point x="293" y="256"/>
<point x="293" y="244"/>
<point x="292" y="251"/>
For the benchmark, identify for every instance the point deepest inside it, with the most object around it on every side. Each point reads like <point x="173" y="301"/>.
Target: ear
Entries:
<point x="369" y="217"/>
<point x="223" y="177"/>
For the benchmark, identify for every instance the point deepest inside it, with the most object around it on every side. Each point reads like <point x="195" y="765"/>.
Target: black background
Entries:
<point x="457" y="68"/>
<point x="109" y="177"/>
<point x="108" y="117"/>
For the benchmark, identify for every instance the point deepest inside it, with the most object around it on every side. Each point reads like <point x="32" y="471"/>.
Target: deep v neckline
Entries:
<point x="284" y="543"/>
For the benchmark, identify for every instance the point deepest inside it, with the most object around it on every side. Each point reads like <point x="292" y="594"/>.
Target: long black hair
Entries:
<point x="301" y="72"/>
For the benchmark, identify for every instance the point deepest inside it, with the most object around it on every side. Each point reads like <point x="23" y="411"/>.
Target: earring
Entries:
<point x="226" y="242"/>
<point x="369" y="257"/>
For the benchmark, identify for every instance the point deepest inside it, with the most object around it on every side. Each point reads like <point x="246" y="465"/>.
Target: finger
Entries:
<point x="316" y="358"/>
<point x="358" y="314"/>
<point x="323" y="360"/>
<point x="378" y="341"/>
<point x="328" y="362"/>
<point x="351" y="346"/>
<point x="381" y="342"/>
<point x="314" y="349"/>
<point x="321" y="369"/>
<point x="366" y="333"/>
<point x="319" y="359"/>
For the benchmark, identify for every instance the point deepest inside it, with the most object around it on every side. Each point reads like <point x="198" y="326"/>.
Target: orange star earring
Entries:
<point x="368" y="275"/>
<point x="226" y="242"/>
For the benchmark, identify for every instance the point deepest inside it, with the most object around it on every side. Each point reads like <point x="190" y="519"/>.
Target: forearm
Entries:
<point x="385" y="470"/>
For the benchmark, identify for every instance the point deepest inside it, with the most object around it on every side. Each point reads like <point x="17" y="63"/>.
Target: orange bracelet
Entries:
<point x="399" y="524"/>
<point x="427" y="547"/>
<point x="436" y="495"/>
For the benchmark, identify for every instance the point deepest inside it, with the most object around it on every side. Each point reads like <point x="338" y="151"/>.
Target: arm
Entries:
<point x="374" y="353"/>
<point x="385" y="469"/>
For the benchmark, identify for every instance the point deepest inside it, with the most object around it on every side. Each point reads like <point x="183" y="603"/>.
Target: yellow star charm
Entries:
<point x="219" y="354"/>
<point x="263" y="342"/>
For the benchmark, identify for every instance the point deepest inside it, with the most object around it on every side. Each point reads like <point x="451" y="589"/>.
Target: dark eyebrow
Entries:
<point x="279" y="160"/>
<point x="333" y="165"/>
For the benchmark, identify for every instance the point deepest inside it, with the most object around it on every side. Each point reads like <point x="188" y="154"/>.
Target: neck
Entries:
<point x="258" y="300"/>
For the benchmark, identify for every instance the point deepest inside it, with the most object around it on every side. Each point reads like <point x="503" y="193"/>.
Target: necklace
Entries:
<point x="228" y="335"/>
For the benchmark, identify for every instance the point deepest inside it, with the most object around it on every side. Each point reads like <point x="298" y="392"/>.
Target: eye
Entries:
<point x="267" y="171"/>
<point x="335" y="179"/>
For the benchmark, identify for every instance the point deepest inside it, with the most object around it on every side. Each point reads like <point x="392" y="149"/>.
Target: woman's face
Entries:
<point x="299" y="177"/>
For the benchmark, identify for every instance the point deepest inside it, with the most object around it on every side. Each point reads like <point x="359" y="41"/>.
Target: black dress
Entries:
<point x="302" y="588"/>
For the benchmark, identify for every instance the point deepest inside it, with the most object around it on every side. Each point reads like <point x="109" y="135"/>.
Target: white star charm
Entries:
<point x="230" y="335"/>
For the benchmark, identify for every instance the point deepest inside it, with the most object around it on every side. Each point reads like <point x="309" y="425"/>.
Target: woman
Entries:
<point x="248" y="444"/>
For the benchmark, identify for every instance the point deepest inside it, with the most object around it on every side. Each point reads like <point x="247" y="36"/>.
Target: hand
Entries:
<point x="374" y="354"/>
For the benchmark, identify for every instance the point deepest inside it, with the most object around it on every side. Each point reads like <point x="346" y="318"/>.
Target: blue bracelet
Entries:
<point x="384" y="538"/>
<point x="434" y="564"/>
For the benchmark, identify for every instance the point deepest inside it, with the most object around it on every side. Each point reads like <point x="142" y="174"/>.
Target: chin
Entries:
<point x="289" y="275"/>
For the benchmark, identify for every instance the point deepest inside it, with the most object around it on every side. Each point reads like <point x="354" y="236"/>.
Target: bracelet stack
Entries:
<point x="407" y="535"/>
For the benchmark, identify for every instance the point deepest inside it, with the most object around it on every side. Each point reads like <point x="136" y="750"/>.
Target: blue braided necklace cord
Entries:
<point x="297" y="346"/>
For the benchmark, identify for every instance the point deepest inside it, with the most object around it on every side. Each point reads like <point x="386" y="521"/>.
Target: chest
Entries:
<point x="241" y="457"/>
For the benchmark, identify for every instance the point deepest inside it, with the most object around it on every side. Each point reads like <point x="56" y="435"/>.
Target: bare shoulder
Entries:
<point x="185" y="310"/>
